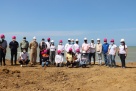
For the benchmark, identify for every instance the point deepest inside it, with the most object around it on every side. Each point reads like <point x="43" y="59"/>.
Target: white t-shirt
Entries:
<point x="85" y="47"/>
<point x="48" y="45"/>
<point x="58" y="59"/>
<point x="121" y="49"/>
<point x="92" y="48"/>
<point x="112" y="49"/>
<point x="76" y="46"/>
<point x="61" y="48"/>
<point x="52" y="48"/>
<point x="67" y="47"/>
<point x="78" y="57"/>
<point x="24" y="55"/>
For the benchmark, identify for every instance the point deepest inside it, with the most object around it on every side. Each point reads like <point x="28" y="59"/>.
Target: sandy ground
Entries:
<point x="94" y="78"/>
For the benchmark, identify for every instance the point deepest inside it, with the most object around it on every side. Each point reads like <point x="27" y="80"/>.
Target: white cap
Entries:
<point x="98" y="39"/>
<point x="122" y="40"/>
<point x="52" y="41"/>
<point x="34" y="37"/>
<point x="85" y="38"/>
<point x="72" y="40"/>
<point x="76" y="39"/>
<point x="92" y="39"/>
<point x="69" y="39"/>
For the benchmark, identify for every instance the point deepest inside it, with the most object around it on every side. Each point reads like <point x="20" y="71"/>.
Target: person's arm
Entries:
<point x="101" y="48"/>
<point x="10" y="45"/>
<point x="108" y="50"/>
<point x="17" y="44"/>
<point x="30" y="45"/>
<point x="27" y="44"/>
<point x="118" y="51"/>
<point x="6" y="44"/>
<point x="82" y="47"/>
<point x="89" y="46"/>
<point x="126" y="51"/>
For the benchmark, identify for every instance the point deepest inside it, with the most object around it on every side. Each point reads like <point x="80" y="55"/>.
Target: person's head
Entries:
<point x="112" y="41"/>
<point x="92" y="40"/>
<point x="60" y="42"/>
<point x="69" y="41"/>
<point x="77" y="41"/>
<point x="34" y="39"/>
<point x="98" y="41"/>
<point x="78" y="50"/>
<point x="85" y="40"/>
<point x="48" y="39"/>
<point x="43" y="40"/>
<point x="59" y="52"/>
<point x="122" y="41"/>
<point x="24" y="50"/>
<point x="24" y="38"/>
<point x="52" y="42"/>
<point x="70" y="50"/>
<point x="13" y="38"/>
<point x="105" y="40"/>
<point x="2" y="36"/>
<point x="72" y="41"/>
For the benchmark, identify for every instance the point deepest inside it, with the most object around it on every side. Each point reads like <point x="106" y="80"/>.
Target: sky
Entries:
<point x="63" y="19"/>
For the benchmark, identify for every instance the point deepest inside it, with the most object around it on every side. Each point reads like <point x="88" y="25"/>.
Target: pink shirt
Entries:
<point x="86" y="47"/>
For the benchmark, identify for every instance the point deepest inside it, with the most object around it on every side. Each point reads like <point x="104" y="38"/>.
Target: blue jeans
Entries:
<point x="112" y="58"/>
<point x="45" y="63"/>
<point x="106" y="58"/>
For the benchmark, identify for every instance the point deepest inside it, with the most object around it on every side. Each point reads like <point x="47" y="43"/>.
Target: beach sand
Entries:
<point x="94" y="78"/>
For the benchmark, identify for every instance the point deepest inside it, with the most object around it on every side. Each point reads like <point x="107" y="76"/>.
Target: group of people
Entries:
<point x="75" y="55"/>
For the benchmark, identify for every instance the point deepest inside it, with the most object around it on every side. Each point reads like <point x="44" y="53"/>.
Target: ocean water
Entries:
<point x="130" y="58"/>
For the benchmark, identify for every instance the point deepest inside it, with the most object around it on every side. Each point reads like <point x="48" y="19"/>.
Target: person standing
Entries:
<point x="86" y="49"/>
<point x="76" y="46"/>
<point x="92" y="50"/>
<point x="72" y="43"/>
<point x="99" y="51"/>
<point x="33" y="51"/>
<point x="52" y="52"/>
<point x="122" y="52"/>
<point x="3" y="47"/>
<point x="42" y="46"/>
<point x="61" y="47"/>
<point x="105" y="48"/>
<point x="112" y="53"/>
<point x="68" y="46"/>
<point x="13" y="45"/>
<point x="48" y="46"/>
<point x="24" y="44"/>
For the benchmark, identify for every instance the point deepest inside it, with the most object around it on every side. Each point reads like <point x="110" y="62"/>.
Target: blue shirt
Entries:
<point x="105" y="47"/>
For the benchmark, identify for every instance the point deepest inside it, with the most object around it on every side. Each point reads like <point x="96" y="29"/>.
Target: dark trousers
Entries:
<point x="52" y="57"/>
<point x="122" y="58"/>
<point x="25" y="62"/>
<point x="2" y="58"/>
<point x="40" y="57"/>
<point x="13" y="55"/>
<point x="92" y="55"/>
